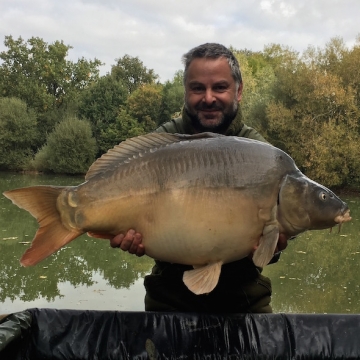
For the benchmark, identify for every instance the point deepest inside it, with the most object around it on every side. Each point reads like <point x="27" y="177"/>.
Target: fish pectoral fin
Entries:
<point x="267" y="244"/>
<point x="203" y="279"/>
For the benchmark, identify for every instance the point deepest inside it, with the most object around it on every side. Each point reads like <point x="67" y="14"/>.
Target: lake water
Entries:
<point x="318" y="272"/>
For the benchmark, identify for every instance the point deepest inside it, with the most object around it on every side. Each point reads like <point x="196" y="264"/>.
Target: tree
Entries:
<point x="115" y="117"/>
<point x="132" y="72"/>
<point x="330" y="58"/>
<point x="101" y="101"/>
<point x="18" y="134"/>
<point x="100" y="104"/>
<point x="70" y="148"/>
<point x="39" y="74"/>
<point x="112" y="134"/>
<point x="128" y="126"/>
<point x="349" y="69"/>
<point x="254" y="110"/>
<point x="144" y="105"/>
<point x="317" y="123"/>
<point x="172" y="98"/>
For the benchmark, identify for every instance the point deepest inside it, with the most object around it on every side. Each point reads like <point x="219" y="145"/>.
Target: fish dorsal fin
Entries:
<point x="135" y="147"/>
<point x="203" y="280"/>
<point x="129" y="149"/>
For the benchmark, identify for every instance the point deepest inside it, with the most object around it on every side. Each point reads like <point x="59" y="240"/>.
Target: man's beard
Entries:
<point x="221" y="127"/>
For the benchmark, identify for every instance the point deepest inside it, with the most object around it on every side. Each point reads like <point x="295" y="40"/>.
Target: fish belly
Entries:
<point x="192" y="226"/>
<point x="198" y="226"/>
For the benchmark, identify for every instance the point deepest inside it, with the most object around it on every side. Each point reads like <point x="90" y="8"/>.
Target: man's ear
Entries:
<point x="239" y="92"/>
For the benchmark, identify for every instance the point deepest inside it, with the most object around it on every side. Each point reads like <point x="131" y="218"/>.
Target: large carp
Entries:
<point x="202" y="200"/>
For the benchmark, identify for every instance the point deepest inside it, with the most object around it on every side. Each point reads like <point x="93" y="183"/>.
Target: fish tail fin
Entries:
<point x="40" y="202"/>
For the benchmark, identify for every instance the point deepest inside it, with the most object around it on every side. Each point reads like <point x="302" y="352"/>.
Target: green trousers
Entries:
<point x="241" y="289"/>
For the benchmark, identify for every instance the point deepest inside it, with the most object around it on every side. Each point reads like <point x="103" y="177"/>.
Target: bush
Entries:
<point x="70" y="148"/>
<point x="17" y="134"/>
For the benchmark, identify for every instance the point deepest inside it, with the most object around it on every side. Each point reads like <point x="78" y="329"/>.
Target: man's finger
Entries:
<point x="137" y="247"/>
<point x="127" y="240"/>
<point x="116" y="241"/>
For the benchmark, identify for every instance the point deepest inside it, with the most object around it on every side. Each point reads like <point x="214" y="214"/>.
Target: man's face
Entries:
<point x="211" y="97"/>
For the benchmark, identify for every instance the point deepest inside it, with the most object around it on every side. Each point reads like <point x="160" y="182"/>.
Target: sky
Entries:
<point x="159" y="32"/>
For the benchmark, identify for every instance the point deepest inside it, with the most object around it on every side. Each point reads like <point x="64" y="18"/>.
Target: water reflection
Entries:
<point x="78" y="265"/>
<point x="317" y="272"/>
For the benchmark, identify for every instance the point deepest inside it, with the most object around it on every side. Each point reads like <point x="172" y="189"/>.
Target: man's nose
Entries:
<point x="209" y="97"/>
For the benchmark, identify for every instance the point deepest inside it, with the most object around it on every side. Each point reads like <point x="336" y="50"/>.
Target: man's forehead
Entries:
<point x="220" y="61"/>
<point x="201" y="69"/>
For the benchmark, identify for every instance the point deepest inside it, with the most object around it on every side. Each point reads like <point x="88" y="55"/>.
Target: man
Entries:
<point x="213" y="90"/>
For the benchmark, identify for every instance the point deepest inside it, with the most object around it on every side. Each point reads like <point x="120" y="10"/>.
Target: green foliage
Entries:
<point x="48" y="120"/>
<point x="132" y="73"/>
<point x="258" y="86"/>
<point x="102" y="100"/>
<point x="316" y="120"/>
<point x="258" y="100"/>
<point x="113" y="119"/>
<point x="100" y="104"/>
<point x="172" y="98"/>
<point x="307" y="104"/>
<point x="18" y="134"/>
<point x="109" y="135"/>
<point x="128" y="126"/>
<point x="70" y="148"/>
<point x="144" y="105"/>
<point x="348" y="70"/>
<point x="39" y="73"/>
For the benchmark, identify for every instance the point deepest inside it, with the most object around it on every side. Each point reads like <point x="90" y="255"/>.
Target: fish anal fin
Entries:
<point x="267" y="244"/>
<point x="203" y="279"/>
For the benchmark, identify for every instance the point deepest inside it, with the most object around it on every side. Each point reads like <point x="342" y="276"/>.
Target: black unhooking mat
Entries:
<point x="72" y="334"/>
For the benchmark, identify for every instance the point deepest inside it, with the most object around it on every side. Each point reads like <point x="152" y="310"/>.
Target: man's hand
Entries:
<point x="130" y="242"/>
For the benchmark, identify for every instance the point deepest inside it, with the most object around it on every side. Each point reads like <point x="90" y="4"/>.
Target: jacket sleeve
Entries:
<point x="173" y="126"/>
<point x="251" y="133"/>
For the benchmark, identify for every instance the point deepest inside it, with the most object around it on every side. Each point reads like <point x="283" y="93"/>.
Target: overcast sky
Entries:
<point x="159" y="32"/>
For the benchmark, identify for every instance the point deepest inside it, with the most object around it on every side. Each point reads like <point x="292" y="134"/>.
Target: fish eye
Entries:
<point x="323" y="196"/>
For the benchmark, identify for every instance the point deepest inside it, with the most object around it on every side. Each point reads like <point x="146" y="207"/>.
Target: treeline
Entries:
<point x="57" y="115"/>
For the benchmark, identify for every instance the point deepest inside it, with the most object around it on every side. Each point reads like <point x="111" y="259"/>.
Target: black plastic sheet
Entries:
<point x="71" y="334"/>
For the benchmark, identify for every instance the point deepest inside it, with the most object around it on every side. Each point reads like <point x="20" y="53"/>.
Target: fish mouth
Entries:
<point x="345" y="217"/>
<point x="340" y="219"/>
